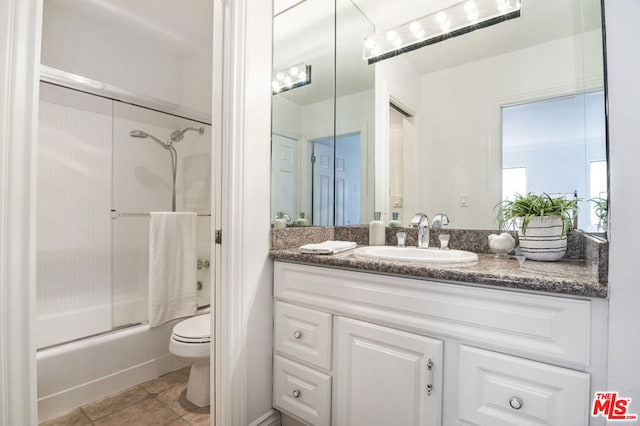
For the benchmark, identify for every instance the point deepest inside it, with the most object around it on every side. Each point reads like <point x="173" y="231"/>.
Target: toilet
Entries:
<point x="190" y="342"/>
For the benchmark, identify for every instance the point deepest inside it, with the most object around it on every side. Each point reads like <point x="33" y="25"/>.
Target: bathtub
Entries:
<point x="76" y="373"/>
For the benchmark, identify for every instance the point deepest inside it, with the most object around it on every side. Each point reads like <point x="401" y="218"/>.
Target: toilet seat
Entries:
<point x="193" y="330"/>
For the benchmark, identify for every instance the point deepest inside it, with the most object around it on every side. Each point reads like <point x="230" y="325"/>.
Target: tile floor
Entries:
<point x="158" y="402"/>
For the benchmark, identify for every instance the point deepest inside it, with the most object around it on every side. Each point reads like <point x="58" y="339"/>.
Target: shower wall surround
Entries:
<point x="92" y="270"/>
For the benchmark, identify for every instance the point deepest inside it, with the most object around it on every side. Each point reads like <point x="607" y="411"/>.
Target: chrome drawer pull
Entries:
<point x="297" y="334"/>
<point x="515" y="403"/>
<point x="296" y="393"/>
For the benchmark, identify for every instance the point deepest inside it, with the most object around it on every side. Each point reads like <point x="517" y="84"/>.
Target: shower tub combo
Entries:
<point x="97" y="183"/>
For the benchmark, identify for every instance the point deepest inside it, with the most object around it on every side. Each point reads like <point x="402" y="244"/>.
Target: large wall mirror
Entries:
<point x="455" y="126"/>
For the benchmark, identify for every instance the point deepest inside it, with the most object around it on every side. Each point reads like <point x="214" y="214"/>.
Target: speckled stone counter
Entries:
<point x="566" y="277"/>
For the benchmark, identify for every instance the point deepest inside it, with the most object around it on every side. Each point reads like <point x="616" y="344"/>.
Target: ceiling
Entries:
<point x="178" y="26"/>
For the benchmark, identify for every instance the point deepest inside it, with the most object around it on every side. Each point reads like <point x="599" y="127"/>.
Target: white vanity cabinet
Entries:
<point x="369" y="349"/>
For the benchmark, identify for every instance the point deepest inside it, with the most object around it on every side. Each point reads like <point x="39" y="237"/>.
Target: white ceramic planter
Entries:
<point x="543" y="240"/>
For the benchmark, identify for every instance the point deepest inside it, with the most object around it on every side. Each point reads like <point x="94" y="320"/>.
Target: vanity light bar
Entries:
<point x="290" y="78"/>
<point x="456" y="20"/>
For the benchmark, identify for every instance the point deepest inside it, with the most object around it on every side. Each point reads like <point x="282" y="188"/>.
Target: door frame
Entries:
<point x="20" y="35"/>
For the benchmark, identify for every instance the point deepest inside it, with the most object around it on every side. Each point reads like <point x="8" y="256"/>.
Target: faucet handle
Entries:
<point x="417" y="218"/>
<point x="439" y="221"/>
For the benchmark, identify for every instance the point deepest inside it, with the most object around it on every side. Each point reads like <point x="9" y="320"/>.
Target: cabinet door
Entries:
<point x="385" y="376"/>
<point x="500" y="390"/>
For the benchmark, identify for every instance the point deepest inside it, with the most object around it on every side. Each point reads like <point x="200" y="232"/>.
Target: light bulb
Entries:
<point x="275" y="86"/>
<point x="288" y="81"/>
<point x="375" y="51"/>
<point x="415" y="27"/>
<point x="441" y="18"/>
<point x="369" y="43"/>
<point x="294" y="71"/>
<point x="503" y="5"/>
<point x="445" y="26"/>
<point x="392" y="35"/>
<point x="397" y="42"/>
<point x="280" y="76"/>
<point x="473" y="16"/>
<point x="470" y="7"/>
<point x="420" y="34"/>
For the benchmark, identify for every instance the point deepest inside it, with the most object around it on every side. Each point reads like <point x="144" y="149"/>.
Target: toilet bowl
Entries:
<point x="190" y="342"/>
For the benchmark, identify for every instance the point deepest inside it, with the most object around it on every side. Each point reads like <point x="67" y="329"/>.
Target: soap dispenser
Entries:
<point x="376" y="231"/>
<point x="395" y="221"/>
<point x="302" y="220"/>
<point x="281" y="220"/>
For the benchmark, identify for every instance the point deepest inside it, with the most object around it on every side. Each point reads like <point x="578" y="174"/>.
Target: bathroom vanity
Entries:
<point x="360" y="342"/>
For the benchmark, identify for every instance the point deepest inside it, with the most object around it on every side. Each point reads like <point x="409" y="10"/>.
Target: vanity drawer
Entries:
<point x="301" y="391"/>
<point x="304" y="334"/>
<point x="497" y="389"/>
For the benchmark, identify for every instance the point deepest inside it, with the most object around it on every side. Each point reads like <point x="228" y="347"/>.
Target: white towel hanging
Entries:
<point x="172" y="266"/>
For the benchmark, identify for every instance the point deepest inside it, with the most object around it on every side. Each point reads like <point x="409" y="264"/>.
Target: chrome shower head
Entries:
<point x="142" y="134"/>
<point x="138" y="134"/>
<point x="178" y="135"/>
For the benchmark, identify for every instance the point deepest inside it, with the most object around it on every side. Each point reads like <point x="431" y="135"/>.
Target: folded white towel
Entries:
<point x="328" y="247"/>
<point x="172" y="266"/>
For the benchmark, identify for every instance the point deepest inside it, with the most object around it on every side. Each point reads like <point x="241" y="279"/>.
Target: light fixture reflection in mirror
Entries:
<point x="290" y="78"/>
<point x="456" y="20"/>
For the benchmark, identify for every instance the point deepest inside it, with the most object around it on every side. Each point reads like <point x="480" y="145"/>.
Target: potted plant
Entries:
<point x="542" y="223"/>
<point x="601" y="209"/>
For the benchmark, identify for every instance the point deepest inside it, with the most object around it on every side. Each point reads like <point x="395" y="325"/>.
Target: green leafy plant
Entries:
<point x="601" y="208"/>
<point x="527" y="207"/>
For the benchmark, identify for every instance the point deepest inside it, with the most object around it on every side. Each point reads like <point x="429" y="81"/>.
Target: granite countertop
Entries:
<point x="565" y="277"/>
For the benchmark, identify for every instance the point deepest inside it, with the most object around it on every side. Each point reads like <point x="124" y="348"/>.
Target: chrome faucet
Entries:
<point x="439" y="221"/>
<point x="421" y="221"/>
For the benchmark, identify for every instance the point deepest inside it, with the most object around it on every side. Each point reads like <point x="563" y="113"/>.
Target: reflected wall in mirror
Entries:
<point x="440" y="126"/>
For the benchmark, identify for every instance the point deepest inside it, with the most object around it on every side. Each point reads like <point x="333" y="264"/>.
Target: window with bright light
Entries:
<point x="514" y="181"/>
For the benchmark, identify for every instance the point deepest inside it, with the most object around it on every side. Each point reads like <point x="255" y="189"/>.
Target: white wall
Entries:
<point x="460" y="128"/>
<point x="244" y="302"/>
<point x="111" y="55"/>
<point x="623" y="63"/>
<point x="398" y="82"/>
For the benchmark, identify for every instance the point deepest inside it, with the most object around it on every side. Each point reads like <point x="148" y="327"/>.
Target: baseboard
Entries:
<point x="270" y="418"/>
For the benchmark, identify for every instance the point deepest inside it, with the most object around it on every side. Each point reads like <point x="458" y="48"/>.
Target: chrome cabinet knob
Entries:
<point x="296" y="393"/>
<point x="515" y="403"/>
<point x="297" y="334"/>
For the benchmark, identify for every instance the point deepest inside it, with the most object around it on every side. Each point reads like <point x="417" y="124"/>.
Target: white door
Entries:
<point x="323" y="182"/>
<point x="340" y="176"/>
<point x="385" y="376"/>
<point x="284" y="175"/>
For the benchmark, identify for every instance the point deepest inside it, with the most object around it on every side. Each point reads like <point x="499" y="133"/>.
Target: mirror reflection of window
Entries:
<point x="557" y="140"/>
<point x="514" y="181"/>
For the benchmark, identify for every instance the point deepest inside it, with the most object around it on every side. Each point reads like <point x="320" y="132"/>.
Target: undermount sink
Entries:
<point x="419" y="255"/>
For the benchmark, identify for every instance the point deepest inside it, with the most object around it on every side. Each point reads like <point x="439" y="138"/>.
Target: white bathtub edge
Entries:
<point x="63" y="402"/>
